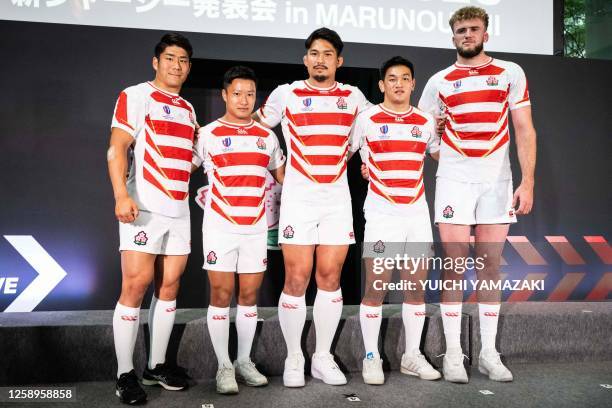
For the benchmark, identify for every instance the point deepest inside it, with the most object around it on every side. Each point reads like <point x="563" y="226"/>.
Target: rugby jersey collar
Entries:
<point x="170" y="94"/>
<point x="237" y="125"/>
<point x="393" y="113"/>
<point x="315" y="88"/>
<point x="462" y="66"/>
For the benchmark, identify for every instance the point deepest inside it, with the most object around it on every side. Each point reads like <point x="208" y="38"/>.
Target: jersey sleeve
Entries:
<point x="277" y="158"/>
<point x="433" y="143"/>
<point x="130" y="111"/>
<point x="271" y="112"/>
<point x="518" y="96"/>
<point x="430" y="101"/>
<point x="362" y="101"/>
<point x="358" y="133"/>
<point x="200" y="149"/>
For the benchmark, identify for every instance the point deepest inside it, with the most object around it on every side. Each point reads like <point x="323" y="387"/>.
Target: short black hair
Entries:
<point x="326" y="34"/>
<point x="238" y="72"/>
<point x="394" y="61"/>
<point x="173" y="39"/>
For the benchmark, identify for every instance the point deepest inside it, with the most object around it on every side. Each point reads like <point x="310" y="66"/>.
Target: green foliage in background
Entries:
<point x="574" y="31"/>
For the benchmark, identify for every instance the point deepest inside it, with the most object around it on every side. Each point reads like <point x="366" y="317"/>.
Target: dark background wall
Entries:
<point x="59" y="85"/>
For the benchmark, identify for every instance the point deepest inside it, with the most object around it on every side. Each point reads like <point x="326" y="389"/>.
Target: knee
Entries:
<point x="167" y="291"/>
<point x="247" y="297"/>
<point x="220" y="296"/>
<point x="328" y="278"/>
<point x="134" y="289"/>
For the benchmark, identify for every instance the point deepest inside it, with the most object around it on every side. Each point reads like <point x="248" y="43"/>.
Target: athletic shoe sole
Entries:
<point x="157" y="382"/>
<point x="242" y="380"/>
<point x="408" y="372"/>
<point x="486" y="372"/>
<point x="134" y="402"/>
<point x="319" y="376"/>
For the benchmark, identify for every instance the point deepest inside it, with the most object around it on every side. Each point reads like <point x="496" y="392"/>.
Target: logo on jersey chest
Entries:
<point x="176" y="101"/>
<point x="416" y="132"/>
<point x="242" y="131"/>
<point x="307" y="104"/>
<point x="473" y="72"/>
<point x="167" y="113"/>
<point x="457" y="84"/>
<point x="227" y="142"/>
<point x="384" y="130"/>
<point x="492" y="81"/>
<point x="341" y="103"/>
<point x="261" y="145"/>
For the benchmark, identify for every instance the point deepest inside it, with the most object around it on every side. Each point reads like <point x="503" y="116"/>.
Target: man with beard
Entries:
<point x="474" y="181"/>
<point x="316" y="214"/>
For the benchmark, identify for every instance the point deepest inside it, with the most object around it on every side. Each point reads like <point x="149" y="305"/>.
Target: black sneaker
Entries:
<point x="170" y="377"/>
<point x="128" y="390"/>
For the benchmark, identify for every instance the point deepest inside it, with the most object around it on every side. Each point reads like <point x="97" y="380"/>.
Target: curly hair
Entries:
<point x="468" y="13"/>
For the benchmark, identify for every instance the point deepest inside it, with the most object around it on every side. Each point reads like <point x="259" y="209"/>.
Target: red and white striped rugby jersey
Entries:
<point x="476" y="101"/>
<point x="316" y="123"/>
<point x="162" y="125"/>
<point x="393" y="146"/>
<point x="236" y="159"/>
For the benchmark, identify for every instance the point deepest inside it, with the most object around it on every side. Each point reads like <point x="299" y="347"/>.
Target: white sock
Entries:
<point x="246" y="324"/>
<point x="125" y="330"/>
<point x="161" y="322"/>
<point x="292" y="316"/>
<point x="370" y="318"/>
<point x="413" y="317"/>
<point x="488" y="316"/>
<point x="326" y="314"/>
<point x="451" y="321"/>
<point x="218" y="322"/>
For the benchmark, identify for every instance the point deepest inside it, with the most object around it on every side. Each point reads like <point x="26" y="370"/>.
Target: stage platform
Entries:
<point x="69" y="347"/>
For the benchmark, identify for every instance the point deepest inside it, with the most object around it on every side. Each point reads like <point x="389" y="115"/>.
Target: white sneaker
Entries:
<point x="452" y="366"/>
<point x="226" y="379"/>
<point x="372" y="371"/>
<point x="247" y="373"/>
<point x="293" y="376"/>
<point x="416" y="364"/>
<point x="325" y="369"/>
<point x="490" y="364"/>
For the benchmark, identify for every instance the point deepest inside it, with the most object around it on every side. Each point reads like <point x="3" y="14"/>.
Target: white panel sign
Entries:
<point x="520" y="26"/>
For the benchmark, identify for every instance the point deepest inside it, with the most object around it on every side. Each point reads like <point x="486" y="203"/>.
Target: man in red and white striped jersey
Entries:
<point x="157" y="125"/>
<point x="316" y="115"/>
<point x="237" y="154"/>
<point x="477" y="95"/>
<point x="393" y="138"/>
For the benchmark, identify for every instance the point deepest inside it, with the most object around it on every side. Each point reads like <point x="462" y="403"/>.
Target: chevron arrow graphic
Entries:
<point x="50" y="273"/>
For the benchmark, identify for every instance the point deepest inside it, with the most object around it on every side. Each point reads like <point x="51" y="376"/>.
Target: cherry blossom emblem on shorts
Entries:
<point x="416" y="132"/>
<point x="288" y="232"/>
<point x="448" y="212"/>
<point x="492" y="81"/>
<point x="211" y="258"/>
<point x="141" y="238"/>
<point x="341" y="103"/>
<point x="379" y="247"/>
<point x="261" y="145"/>
<point x="351" y="235"/>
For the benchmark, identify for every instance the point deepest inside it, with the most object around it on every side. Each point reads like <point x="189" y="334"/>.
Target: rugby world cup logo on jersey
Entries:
<point x="307" y="104"/>
<point x="492" y="81"/>
<point x="457" y="84"/>
<point x="416" y="132"/>
<point x="341" y="103"/>
<point x="227" y="142"/>
<point x="167" y="112"/>
<point x="384" y="130"/>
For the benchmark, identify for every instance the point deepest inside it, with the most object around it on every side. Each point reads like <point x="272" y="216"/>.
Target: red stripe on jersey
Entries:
<point x="389" y="165"/>
<point x="397" y="146"/>
<point x="469" y="72"/>
<point x="317" y="178"/>
<point x="478" y="117"/>
<point x="241" y="159"/>
<point x="171" y="152"/>
<point x="149" y="159"/>
<point x="314" y="92"/>
<point x="525" y="94"/>
<point x="151" y="143"/>
<point x="178" y="195"/>
<point x="477" y="135"/>
<point x="397" y="183"/>
<point x="450" y="144"/>
<point x="170" y="100"/>
<point x="166" y="128"/>
<point x="241" y="181"/>
<point x="319" y="159"/>
<point x="476" y="152"/>
<point x="315" y="119"/>
<point x="237" y="220"/>
<point x="175" y="174"/>
<point x="319" y="140"/>
<point x="412" y="119"/>
<point x="233" y="131"/>
<point x="121" y="110"/>
<point x="151" y="179"/>
<point x="238" y="201"/>
<point x="492" y="95"/>
<point x="398" y="199"/>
